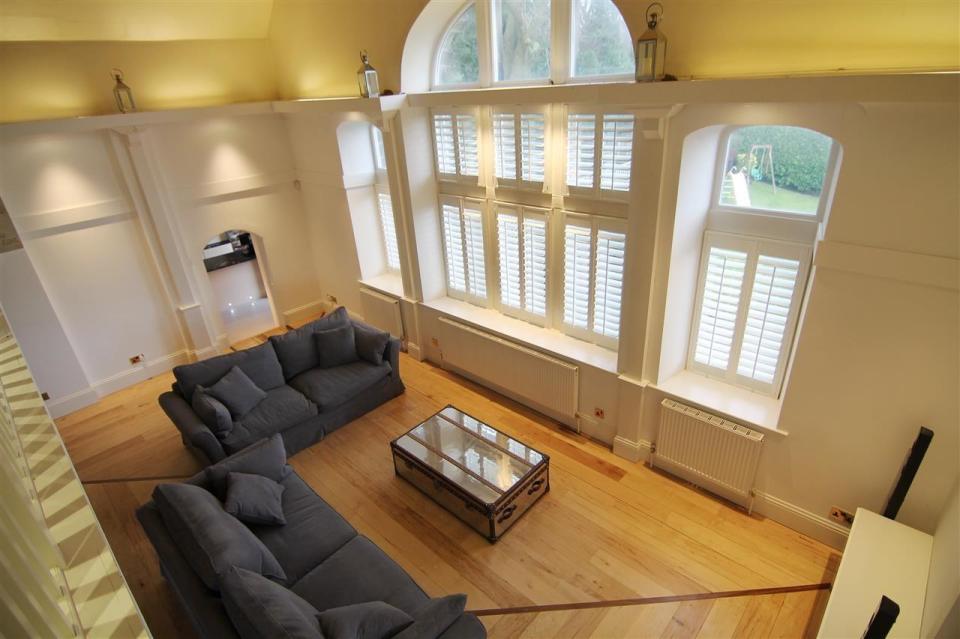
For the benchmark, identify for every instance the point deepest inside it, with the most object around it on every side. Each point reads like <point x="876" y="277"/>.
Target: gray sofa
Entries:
<point x="304" y="401"/>
<point x="325" y="561"/>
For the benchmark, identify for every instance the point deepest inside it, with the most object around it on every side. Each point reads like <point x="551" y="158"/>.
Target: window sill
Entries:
<point x="387" y="283"/>
<point x="543" y="339"/>
<point x="738" y="404"/>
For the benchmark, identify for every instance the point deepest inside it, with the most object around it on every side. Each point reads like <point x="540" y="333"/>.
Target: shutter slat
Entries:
<point x="616" y="158"/>
<point x="608" y="282"/>
<point x="504" y="144"/>
<point x="532" y="145"/>
<point x="719" y="307"/>
<point x="508" y="232"/>
<point x="388" y="226"/>
<point x="774" y="290"/>
<point x="468" y="161"/>
<point x="473" y="236"/>
<point x="443" y="144"/>
<point x="581" y="144"/>
<point x="453" y="245"/>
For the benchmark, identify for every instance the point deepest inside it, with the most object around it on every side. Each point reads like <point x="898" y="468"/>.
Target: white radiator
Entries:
<point x="548" y="384"/>
<point x="710" y="451"/>
<point x="382" y="311"/>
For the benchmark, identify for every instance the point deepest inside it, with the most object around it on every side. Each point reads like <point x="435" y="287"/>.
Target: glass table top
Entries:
<point x="475" y="456"/>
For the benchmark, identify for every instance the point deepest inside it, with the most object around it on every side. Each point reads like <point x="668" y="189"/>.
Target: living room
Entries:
<point x="710" y="286"/>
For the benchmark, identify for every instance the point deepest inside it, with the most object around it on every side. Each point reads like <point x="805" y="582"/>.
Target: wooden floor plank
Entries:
<point x="609" y="529"/>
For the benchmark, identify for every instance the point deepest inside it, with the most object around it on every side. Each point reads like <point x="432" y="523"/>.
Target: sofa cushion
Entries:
<point x="359" y="571"/>
<point x="330" y="387"/>
<point x="211" y="540"/>
<point x="254" y="499"/>
<point x="335" y="346"/>
<point x="212" y="412"/>
<point x="314" y="531"/>
<point x="261" y="609"/>
<point x="260" y="364"/>
<point x="371" y="343"/>
<point x="433" y="617"/>
<point x="237" y="392"/>
<point x="369" y="620"/>
<point x="283" y="407"/>
<point x="296" y="350"/>
<point x="267" y="458"/>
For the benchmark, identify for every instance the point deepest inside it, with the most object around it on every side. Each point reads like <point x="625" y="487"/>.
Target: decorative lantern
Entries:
<point x="122" y="93"/>
<point x="367" y="78"/>
<point x="651" y="47"/>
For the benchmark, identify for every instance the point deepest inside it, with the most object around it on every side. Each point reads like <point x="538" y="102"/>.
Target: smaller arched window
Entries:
<point x="510" y="42"/>
<point x="775" y="168"/>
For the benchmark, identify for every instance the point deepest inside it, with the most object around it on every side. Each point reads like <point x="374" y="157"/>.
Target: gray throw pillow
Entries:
<point x="433" y="617"/>
<point x="211" y="540"/>
<point x="261" y="609"/>
<point x="369" y="620"/>
<point x="371" y="343"/>
<point x="237" y="392"/>
<point x="267" y="458"/>
<point x="212" y="412"/>
<point x="336" y="346"/>
<point x="296" y="349"/>
<point x="254" y="499"/>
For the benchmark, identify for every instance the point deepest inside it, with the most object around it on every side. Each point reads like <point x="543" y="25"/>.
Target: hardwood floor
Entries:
<point x="608" y="529"/>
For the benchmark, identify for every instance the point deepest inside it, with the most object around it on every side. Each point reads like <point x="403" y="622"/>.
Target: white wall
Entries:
<point x="74" y="214"/>
<point x="941" y="617"/>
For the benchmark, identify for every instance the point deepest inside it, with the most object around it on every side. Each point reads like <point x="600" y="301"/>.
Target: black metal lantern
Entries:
<point x="122" y="93"/>
<point x="651" y="47"/>
<point x="367" y="78"/>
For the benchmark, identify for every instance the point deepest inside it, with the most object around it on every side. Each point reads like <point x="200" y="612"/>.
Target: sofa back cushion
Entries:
<point x="371" y="343"/>
<point x="211" y="540"/>
<point x="369" y="619"/>
<point x="237" y="392"/>
<point x="296" y="349"/>
<point x="212" y="412"/>
<point x="259" y="363"/>
<point x="335" y="346"/>
<point x="261" y="609"/>
<point x="433" y="617"/>
<point x="267" y="458"/>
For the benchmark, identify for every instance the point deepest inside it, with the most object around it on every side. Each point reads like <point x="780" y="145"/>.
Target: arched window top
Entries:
<point x="510" y="42"/>
<point x="776" y="168"/>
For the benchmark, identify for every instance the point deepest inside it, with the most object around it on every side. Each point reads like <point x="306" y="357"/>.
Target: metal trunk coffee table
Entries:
<point x="479" y="474"/>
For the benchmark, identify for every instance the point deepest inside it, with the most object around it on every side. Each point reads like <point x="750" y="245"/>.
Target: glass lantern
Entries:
<point x="122" y="93"/>
<point x="651" y="47"/>
<point x="367" y="78"/>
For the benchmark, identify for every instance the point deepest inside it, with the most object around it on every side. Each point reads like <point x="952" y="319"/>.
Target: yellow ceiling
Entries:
<point x="133" y="20"/>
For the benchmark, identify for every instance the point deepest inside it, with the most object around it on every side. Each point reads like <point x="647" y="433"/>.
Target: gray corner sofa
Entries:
<point x="325" y="562"/>
<point x="304" y="400"/>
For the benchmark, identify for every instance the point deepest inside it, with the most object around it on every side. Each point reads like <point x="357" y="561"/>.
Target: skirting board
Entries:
<point x="630" y="450"/>
<point x="414" y="351"/>
<point x="75" y="401"/>
<point x="803" y="521"/>
<point x="306" y="310"/>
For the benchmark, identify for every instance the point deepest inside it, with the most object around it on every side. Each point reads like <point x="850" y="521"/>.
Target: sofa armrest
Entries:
<point x="193" y="431"/>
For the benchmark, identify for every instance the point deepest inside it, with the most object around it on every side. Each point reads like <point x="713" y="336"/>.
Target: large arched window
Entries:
<point x="510" y="42"/>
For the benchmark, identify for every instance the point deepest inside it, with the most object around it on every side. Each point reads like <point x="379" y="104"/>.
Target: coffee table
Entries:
<point x="484" y="477"/>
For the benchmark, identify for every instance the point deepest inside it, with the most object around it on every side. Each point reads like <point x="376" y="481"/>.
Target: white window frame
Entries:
<point x="522" y="213"/>
<point x="826" y="193"/>
<point x="562" y="50"/>
<point x="467" y="295"/>
<point x="518" y="112"/>
<point x="458" y="176"/>
<point x="595" y="191"/>
<point x="595" y="223"/>
<point x="380" y="190"/>
<point x="754" y="247"/>
<point x="379" y="149"/>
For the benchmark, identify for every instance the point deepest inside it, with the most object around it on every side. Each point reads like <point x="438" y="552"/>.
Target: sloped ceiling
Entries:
<point x="133" y="20"/>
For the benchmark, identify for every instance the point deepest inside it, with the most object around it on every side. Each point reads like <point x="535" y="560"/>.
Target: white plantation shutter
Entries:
<point x="581" y="149"/>
<point x="444" y="144"/>
<point x="532" y="146"/>
<point x="576" y="275"/>
<point x="616" y="154"/>
<point x="388" y="226"/>
<point x="719" y="306"/>
<point x="508" y="243"/>
<point x="473" y="243"/>
<point x="768" y="317"/>
<point x="453" y="246"/>
<point x="467" y="146"/>
<point x="608" y="282"/>
<point x="535" y="265"/>
<point x="504" y="145"/>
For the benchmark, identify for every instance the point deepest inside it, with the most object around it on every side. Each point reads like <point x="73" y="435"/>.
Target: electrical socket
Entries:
<point x="598" y="413"/>
<point x="435" y="342"/>
<point x="136" y="359"/>
<point x="841" y="516"/>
